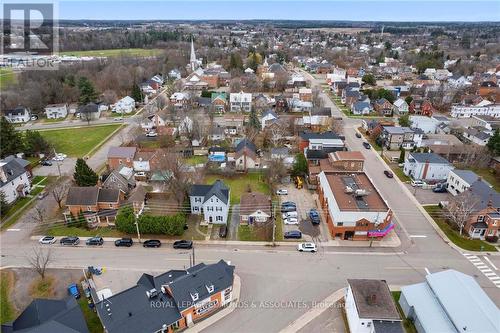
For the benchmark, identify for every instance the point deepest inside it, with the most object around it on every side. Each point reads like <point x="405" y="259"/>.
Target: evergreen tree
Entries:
<point x="408" y="100"/>
<point x="84" y="175"/>
<point x="136" y="93"/>
<point x="87" y="91"/>
<point x="11" y="141"/>
<point x="4" y="206"/>
<point x="494" y="143"/>
<point x="404" y="121"/>
<point x="369" y="79"/>
<point x="300" y="165"/>
<point x="402" y="156"/>
<point x="35" y="143"/>
<point x="253" y="121"/>
<point x="235" y="61"/>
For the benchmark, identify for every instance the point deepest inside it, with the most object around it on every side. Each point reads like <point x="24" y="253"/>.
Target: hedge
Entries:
<point x="149" y="224"/>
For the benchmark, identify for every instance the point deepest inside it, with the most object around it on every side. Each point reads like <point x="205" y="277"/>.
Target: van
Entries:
<point x="290" y="214"/>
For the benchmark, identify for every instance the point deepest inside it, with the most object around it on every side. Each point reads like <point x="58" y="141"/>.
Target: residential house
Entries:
<point x="98" y="206"/>
<point x="122" y="179"/>
<point x="383" y="107"/>
<point x="354" y="208"/>
<point x="428" y="125"/>
<point x="124" y="105"/>
<point x="484" y="223"/>
<point x="155" y="123"/>
<point x="268" y="117"/>
<point x="262" y="102"/>
<point x="56" y="111"/>
<point x="255" y="208"/>
<point x="316" y="146"/>
<point x="14" y="180"/>
<point x="426" y="166"/>
<point x="395" y="138"/>
<point x="219" y="102"/>
<point x="21" y="161"/>
<point x="449" y="302"/>
<point x="17" y="115"/>
<point x="212" y="201"/>
<point x="120" y="156"/>
<point x="319" y="119"/>
<point x="339" y="161"/>
<point x="296" y="105"/>
<point x="174" y="74"/>
<point x="186" y="297"/>
<point x="361" y="108"/>
<point x="400" y="107"/>
<point x="180" y="99"/>
<point x="459" y="181"/>
<point x="281" y="103"/>
<point x="466" y="111"/>
<point x="149" y="159"/>
<point x="246" y="156"/>
<point x="370" y="308"/>
<point x="158" y="78"/>
<point x="477" y="136"/>
<point x="49" y="315"/>
<point x="305" y="94"/>
<point x="89" y="112"/>
<point x="240" y="102"/>
<point x="147" y="88"/>
<point x="350" y="96"/>
<point x="421" y="106"/>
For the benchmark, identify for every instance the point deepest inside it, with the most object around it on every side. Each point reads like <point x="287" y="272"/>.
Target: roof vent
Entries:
<point x="152" y="293"/>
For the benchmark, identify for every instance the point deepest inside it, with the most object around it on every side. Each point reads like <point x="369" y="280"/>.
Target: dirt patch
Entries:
<point x="42" y="288"/>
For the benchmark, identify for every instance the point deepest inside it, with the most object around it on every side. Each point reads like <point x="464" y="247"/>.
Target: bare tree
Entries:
<point x="59" y="192"/>
<point x="317" y="99"/>
<point x="460" y="209"/>
<point x="39" y="259"/>
<point x="38" y="214"/>
<point x="275" y="172"/>
<point x="337" y="125"/>
<point x="235" y="85"/>
<point x="173" y="171"/>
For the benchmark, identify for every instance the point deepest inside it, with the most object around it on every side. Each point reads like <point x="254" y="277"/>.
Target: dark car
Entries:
<point x="124" y="242"/>
<point x="288" y="206"/>
<point x="95" y="241"/>
<point x="72" y="240"/>
<point x="152" y="243"/>
<point x="314" y="216"/>
<point x="223" y="231"/>
<point x="439" y="189"/>
<point x="183" y="244"/>
<point x="292" y="234"/>
<point x="388" y="174"/>
<point x="46" y="163"/>
<point x="358" y="135"/>
<point x="366" y="145"/>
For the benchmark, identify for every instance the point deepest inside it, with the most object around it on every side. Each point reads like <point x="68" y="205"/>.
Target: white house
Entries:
<point x="124" y="105"/>
<point x="400" y="106"/>
<point x="174" y="74"/>
<point x="240" y="102"/>
<point x="427" y="124"/>
<point x="477" y="136"/>
<point x="20" y="114"/>
<point x="426" y="166"/>
<point x="152" y="122"/>
<point x="467" y="111"/>
<point x="461" y="180"/>
<point x="212" y="201"/>
<point x="56" y="111"/>
<point x="370" y="308"/>
<point x="14" y="180"/>
<point x="268" y="117"/>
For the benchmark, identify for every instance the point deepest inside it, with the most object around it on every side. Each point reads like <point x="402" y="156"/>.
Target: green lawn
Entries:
<point x="239" y="184"/>
<point x="114" y="53"/>
<point x="489" y="176"/>
<point x="195" y="160"/>
<point x="93" y="322"/>
<point x="7" y="311"/>
<point x="436" y="213"/>
<point x="79" y="141"/>
<point x="407" y="323"/>
<point x="7" y="77"/>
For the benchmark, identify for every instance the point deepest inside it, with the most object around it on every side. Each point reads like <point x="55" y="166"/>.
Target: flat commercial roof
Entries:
<point x="372" y="201"/>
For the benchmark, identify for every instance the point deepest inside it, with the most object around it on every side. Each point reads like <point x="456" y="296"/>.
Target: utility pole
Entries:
<point x="194" y="262"/>
<point x="137" y="226"/>
<point x="57" y="162"/>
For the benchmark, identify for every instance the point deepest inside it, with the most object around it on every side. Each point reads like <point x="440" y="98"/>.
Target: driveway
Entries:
<point x="427" y="197"/>
<point x="232" y="228"/>
<point x="67" y="167"/>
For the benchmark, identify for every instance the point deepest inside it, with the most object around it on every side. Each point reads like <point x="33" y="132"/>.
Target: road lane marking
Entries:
<point x="13" y="229"/>
<point x="418" y="236"/>
<point x="489" y="261"/>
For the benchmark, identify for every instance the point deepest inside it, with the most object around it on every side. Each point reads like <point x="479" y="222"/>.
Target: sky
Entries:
<point x="403" y="10"/>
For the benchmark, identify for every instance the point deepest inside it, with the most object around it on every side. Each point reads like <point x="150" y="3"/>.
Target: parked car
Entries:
<point x="73" y="290"/>
<point x="95" y="241"/>
<point x="42" y="195"/>
<point x="152" y="243"/>
<point x="183" y="244"/>
<point x="282" y="192"/>
<point x="223" y="231"/>
<point x="124" y="242"/>
<point x="47" y="240"/>
<point x="388" y="174"/>
<point x="439" y="189"/>
<point x="314" y="216"/>
<point x="46" y="163"/>
<point x="307" y="247"/>
<point x="292" y="234"/>
<point x="34" y="117"/>
<point x="417" y="183"/>
<point x="117" y="119"/>
<point x="151" y="134"/>
<point x="358" y="135"/>
<point x="291" y="220"/>
<point x="140" y="174"/>
<point x="366" y="145"/>
<point x="71" y="240"/>
<point x="290" y="214"/>
<point x="288" y="207"/>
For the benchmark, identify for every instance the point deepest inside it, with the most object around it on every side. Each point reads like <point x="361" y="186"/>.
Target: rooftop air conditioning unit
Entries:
<point x="152" y="293"/>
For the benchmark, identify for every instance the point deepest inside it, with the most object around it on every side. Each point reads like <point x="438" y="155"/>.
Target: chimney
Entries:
<point x="372" y="299"/>
<point x="3" y="176"/>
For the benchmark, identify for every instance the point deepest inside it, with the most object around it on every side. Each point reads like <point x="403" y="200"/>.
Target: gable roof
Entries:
<point x="485" y="194"/>
<point x="22" y="162"/>
<point x="245" y="143"/>
<point x="468" y="176"/>
<point x="254" y="201"/>
<point x="122" y="152"/>
<point x="82" y="196"/>
<point x="323" y="135"/>
<point x="12" y="170"/>
<point x="428" y="157"/>
<point x="218" y="188"/>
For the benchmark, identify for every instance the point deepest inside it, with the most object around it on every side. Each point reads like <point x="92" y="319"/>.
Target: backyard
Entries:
<point x="78" y="141"/>
<point x="114" y="53"/>
<point x="7" y="310"/>
<point x="7" y="77"/>
<point x="436" y="213"/>
<point x="240" y="184"/>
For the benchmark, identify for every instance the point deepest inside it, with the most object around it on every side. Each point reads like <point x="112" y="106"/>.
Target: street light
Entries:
<point x="136" y="218"/>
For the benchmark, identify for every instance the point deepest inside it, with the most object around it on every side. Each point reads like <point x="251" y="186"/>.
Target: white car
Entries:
<point x="417" y="183"/>
<point x="57" y="158"/>
<point x="307" y="247"/>
<point x="151" y="134"/>
<point x="282" y="192"/>
<point x="47" y="240"/>
<point x="291" y="220"/>
<point x="290" y="214"/>
<point x="117" y="119"/>
<point x="140" y="174"/>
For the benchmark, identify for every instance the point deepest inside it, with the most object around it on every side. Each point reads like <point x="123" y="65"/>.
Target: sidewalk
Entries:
<point x="200" y="326"/>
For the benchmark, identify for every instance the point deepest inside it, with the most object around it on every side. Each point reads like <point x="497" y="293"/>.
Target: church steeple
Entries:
<point x="192" y="58"/>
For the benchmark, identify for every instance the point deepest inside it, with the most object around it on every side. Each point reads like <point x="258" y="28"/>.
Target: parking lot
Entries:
<point x="305" y="200"/>
<point x="427" y="196"/>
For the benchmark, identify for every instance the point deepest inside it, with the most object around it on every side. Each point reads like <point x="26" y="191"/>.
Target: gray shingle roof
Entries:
<point x="468" y="176"/>
<point x="485" y="195"/>
<point x="429" y="157"/>
<point x="12" y="169"/>
<point x="246" y="143"/>
<point x="218" y="188"/>
<point x="84" y="196"/>
<point x="122" y="152"/>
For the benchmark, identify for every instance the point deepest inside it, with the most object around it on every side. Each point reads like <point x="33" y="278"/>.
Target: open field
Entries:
<point x="79" y="141"/>
<point x="114" y="53"/>
<point x="240" y="183"/>
<point x="7" y="77"/>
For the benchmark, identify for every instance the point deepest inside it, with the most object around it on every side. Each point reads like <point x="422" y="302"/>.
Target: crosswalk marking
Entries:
<point x="484" y="268"/>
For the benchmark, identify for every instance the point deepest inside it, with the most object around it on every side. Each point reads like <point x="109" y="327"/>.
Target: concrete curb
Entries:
<point x="307" y="317"/>
<point x="198" y="327"/>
